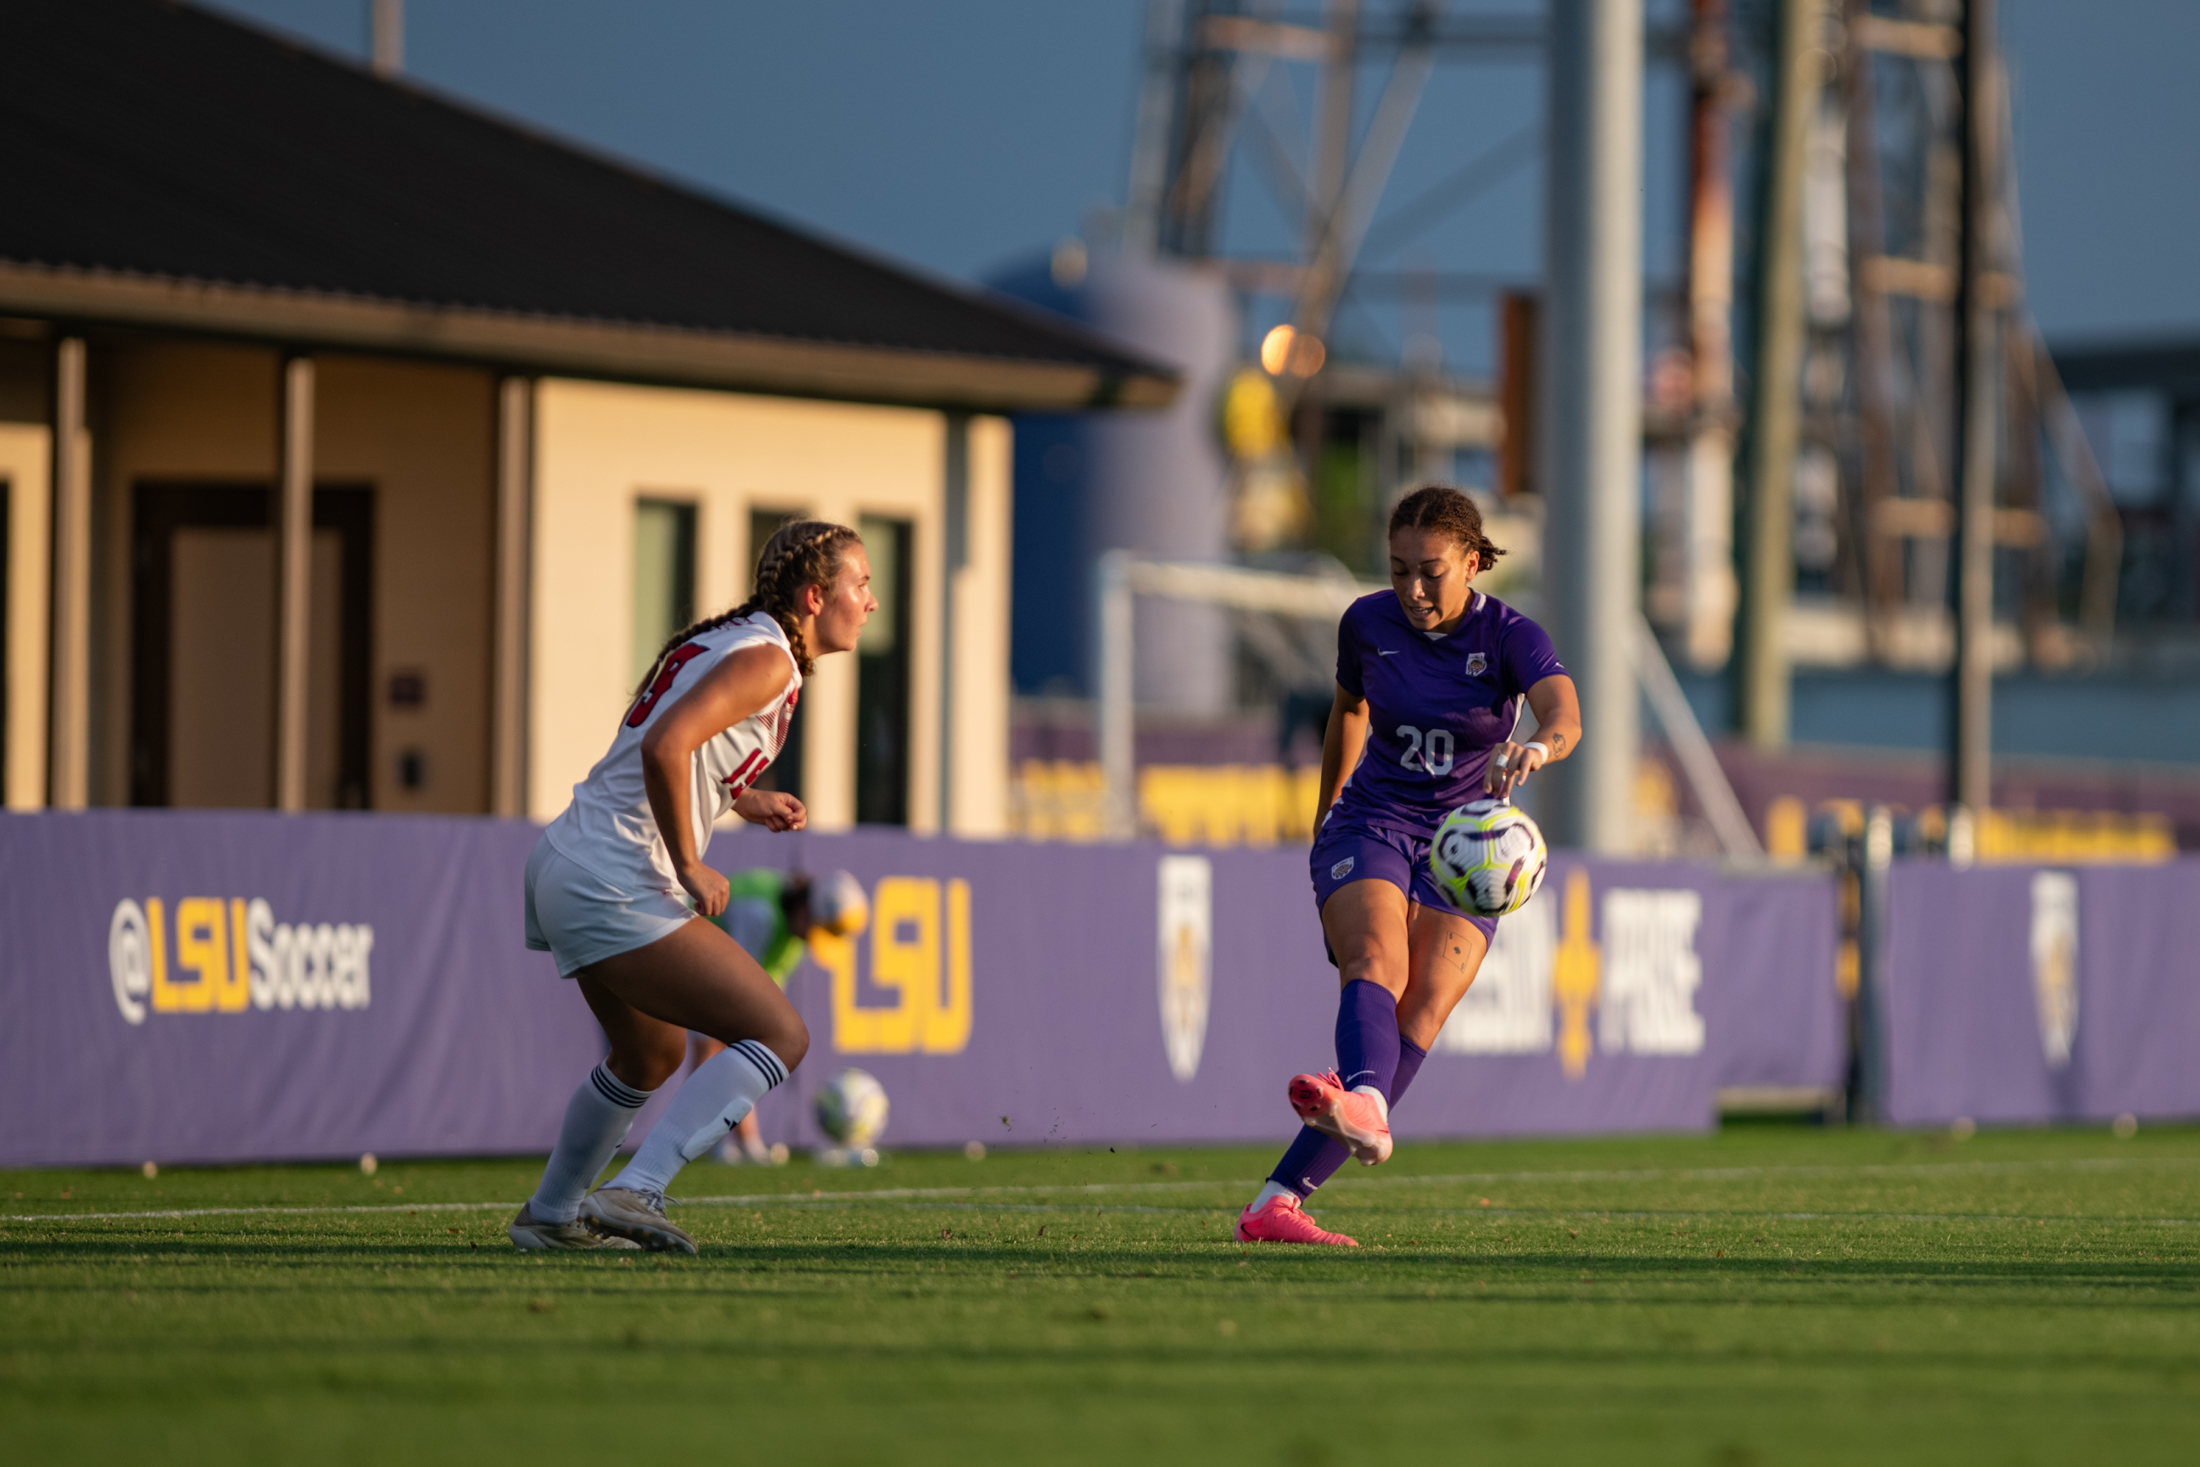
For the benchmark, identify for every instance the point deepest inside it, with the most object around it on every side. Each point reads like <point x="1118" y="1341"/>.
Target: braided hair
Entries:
<point x="1448" y="511"/>
<point x="800" y="553"/>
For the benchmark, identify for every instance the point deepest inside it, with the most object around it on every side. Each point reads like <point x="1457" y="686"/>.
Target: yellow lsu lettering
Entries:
<point x="216" y="985"/>
<point x="908" y="941"/>
<point x="232" y="955"/>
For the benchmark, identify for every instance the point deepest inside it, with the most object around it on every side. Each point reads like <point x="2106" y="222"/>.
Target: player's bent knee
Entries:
<point x="647" y="1064"/>
<point x="790" y="1041"/>
<point x="1378" y="967"/>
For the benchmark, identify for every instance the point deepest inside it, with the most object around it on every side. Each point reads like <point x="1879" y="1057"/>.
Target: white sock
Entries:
<point x="710" y="1104"/>
<point x="1272" y="1190"/>
<point x="597" y="1119"/>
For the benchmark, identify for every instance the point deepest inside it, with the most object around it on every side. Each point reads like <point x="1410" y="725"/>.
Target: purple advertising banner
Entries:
<point x="2029" y="993"/>
<point x="237" y="986"/>
<point x="228" y="987"/>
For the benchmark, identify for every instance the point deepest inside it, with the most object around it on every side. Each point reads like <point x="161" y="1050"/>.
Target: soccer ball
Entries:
<point x="1488" y="858"/>
<point x="851" y="1108"/>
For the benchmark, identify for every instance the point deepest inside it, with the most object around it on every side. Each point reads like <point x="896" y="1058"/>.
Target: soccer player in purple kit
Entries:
<point x="1431" y="677"/>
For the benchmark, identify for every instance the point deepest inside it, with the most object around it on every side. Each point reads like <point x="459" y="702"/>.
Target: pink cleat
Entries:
<point x="1284" y="1221"/>
<point x="1360" y="1121"/>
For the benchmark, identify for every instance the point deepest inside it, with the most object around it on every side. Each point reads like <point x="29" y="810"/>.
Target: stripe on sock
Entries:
<point x="765" y="1061"/>
<point x="615" y="1090"/>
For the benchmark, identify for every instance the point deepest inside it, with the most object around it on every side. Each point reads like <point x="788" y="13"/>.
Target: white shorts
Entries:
<point x="579" y="918"/>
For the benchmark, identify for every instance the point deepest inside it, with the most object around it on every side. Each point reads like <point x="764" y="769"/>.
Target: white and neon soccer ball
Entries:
<point x="1488" y="858"/>
<point x="851" y="1108"/>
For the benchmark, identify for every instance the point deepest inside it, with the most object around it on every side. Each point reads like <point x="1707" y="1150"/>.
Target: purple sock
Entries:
<point x="1313" y="1158"/>
<point x="1410" y="1056"/>
<point x="1367" y="1035"/>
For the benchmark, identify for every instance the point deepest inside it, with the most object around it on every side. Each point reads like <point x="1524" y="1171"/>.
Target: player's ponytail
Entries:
<point x="1448" y="511"/>
<point x="800" y="553"/>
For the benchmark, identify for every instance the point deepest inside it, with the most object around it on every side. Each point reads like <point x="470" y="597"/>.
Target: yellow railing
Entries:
<point x="1056" y="799"/>
<point x="2071" y="837"/>
<point x="2074" y="836"/>
<point x="1241" y="804"/>
<point x="1183" y="804"/>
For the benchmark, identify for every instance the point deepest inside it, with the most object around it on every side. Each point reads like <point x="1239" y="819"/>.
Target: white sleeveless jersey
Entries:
<point x="609" y="828"/>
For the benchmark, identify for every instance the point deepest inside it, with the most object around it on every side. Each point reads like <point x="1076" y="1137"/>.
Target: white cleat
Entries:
<point x="626" y="1213"/>
<point x="531" y="1234"/>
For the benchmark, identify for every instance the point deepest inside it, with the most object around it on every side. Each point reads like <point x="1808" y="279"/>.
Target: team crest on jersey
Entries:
<point x="1476" y="664"/>
<point x="1342" y="869"/>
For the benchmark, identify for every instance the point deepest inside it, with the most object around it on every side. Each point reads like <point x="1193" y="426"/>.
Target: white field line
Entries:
<point x="1102" y="1189"/>
<point x="1607" y="1214"/>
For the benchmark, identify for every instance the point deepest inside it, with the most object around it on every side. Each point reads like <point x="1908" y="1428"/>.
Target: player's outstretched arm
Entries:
<point x="740" y="685"/>
<point x="1557" y="710"/>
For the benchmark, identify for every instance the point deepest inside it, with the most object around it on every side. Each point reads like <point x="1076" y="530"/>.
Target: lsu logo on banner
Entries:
<point x="920" y="935"/>
<point x="232" y="955"/>
<point x="1546" y="971"/>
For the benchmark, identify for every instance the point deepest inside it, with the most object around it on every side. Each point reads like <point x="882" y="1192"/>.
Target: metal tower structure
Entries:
<point x="1942" y="488"/>
<point x="1217" y="100"/>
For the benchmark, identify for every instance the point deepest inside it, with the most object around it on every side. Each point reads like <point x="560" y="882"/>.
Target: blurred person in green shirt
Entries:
<point x="771" y="914"/>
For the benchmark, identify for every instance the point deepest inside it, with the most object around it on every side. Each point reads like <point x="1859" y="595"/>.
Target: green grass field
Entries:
<point x="1769" y="1295"/>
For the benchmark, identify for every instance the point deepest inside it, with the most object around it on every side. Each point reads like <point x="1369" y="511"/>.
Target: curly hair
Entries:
<point x="800" y="553"/>
<point x="1447" y="510"/>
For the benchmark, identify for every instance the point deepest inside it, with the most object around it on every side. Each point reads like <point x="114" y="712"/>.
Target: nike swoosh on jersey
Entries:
<point x="1379" y="652"/>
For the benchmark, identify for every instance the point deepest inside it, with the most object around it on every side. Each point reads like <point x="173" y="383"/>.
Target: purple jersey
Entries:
<point x="1436" y="706"/>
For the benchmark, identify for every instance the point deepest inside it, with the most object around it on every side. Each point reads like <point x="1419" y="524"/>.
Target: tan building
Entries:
<point x="359" y="449"/>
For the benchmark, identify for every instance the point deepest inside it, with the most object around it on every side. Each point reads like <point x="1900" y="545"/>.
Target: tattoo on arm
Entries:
<point x="1558" y="743"/>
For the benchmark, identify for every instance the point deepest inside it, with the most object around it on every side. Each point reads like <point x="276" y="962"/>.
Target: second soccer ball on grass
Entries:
<point x="851" y="1108"/>
<point x="1488" y="857"/>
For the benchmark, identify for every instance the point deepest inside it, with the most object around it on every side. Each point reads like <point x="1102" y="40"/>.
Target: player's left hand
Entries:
<point x="772" y="809"/>
<point x="1509" y="767"/>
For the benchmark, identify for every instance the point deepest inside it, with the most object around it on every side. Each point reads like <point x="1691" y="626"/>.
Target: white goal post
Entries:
<point x="1123" y="576"/>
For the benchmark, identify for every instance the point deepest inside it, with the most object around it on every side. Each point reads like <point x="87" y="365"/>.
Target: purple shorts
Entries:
<point x="1345" y="854"/>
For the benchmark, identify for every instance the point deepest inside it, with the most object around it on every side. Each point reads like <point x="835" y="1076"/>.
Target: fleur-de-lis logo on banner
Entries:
<point x="1576" y="975"/>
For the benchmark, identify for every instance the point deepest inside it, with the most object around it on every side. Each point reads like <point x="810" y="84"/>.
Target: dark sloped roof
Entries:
<point x="149" y="140"/>
<point x="2105" y="364"/>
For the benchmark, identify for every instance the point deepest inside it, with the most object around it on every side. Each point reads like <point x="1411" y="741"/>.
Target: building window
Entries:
<point x="882" y="679"/>
<point x="786" y="771"/>
<point x="664" y="577"/>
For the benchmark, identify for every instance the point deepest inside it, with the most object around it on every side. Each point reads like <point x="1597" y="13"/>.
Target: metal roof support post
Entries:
<point x="386" y="43"/>
<point x="1115" y="717"/>
<point x="1776" y="410"/>
<point x="1593" y="400"/>
<point x="1706" y="623"/>
<point x="1971" y="686"/>
<point x="515" y="518"/>
<point x="293" y="521"/>
<point x="957" y="559"/>
<point x="69" y="750"/>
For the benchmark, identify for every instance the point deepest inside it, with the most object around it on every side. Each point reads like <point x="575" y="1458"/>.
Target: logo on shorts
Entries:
<point x="1477" y="664"/>
<point x="1342" y="869"/>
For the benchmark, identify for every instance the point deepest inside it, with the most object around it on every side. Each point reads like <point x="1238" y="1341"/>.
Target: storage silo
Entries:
<point x="1152" y="482"/>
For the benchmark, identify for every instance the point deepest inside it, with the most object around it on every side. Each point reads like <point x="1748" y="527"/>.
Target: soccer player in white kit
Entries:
<point x="614" y="886"/>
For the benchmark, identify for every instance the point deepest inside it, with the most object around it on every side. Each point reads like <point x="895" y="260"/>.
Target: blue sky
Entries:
<point x="961" y="134"/>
